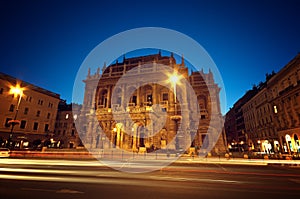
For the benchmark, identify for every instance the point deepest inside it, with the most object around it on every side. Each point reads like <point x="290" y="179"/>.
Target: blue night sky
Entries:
<point x="45" y="42"/>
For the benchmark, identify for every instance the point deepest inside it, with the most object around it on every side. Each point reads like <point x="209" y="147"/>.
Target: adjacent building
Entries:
<point x="235" y="124"/>
<point x="65" y="134"/>
<point x="33" y="113"/>
<point x="272" y="114"/>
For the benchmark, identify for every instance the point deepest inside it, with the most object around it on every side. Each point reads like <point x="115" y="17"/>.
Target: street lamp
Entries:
<point x="174" y="79"/>
<point x="16" y="91"/>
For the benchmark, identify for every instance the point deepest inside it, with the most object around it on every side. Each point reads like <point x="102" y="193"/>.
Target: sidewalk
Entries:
<point x="152" y="158"/>
<point x="239" y="161"/>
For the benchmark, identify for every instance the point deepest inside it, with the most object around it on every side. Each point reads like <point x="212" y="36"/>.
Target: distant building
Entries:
<point x="36" y="115"/>
<point x="235" y="124"/>
<point x="144" y="96"/>
<point x="65" y="134"/>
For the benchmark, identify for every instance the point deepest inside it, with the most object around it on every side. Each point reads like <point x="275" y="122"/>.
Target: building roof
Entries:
<point x="30" y="86"/>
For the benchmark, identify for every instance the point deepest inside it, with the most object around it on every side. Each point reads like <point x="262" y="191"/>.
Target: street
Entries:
<point x="23" y="178"/>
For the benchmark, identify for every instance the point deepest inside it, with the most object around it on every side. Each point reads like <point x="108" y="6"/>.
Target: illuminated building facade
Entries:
<point x="272" y="116"/>
<point x="35" y="115"/>
<point x="144" y="98"/>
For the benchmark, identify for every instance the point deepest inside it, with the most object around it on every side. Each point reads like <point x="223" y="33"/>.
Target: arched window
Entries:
<point x="133" y="98"/>
<point x="147" y="93"/>
<point x="117" y="99"/>
<point x="202" y="102"/>
<point x="102" y="100"/>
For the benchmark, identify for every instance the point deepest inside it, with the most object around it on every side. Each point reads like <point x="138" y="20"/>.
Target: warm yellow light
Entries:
<point x="174" y="78"/>
<point x="115" y="129"/>
<point x="275" y="109"/>
<point x="16" y="90"/>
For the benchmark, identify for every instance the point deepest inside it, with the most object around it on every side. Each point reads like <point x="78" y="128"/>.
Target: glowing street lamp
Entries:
<point x="16" y="91"/>
<point x="174" y="79"/>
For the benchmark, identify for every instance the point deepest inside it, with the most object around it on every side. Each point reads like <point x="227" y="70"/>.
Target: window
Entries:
<point x="28" y="99"/>
<point x="40" y="102"/>
<point x="26" y="111"/>
<point x="67" y="116"/>
<point x="65" y="125"/>
<point x="165" y="97"/>
<point x="35" y="126"/>
<point x="11" y="108"/>
<point x="134" y="99"/>
<point x="50" y="105"/>
<point x="73" y="133"/>
<point x="149" y="98"/>
<point x="23" y="124"/>
<point x="48" y="116"/>
<point x="1" y="90"/>
<point x="46" y="127"/>
<point x="38" y="113"/>
<point x="119" y="100"/>
<point x="64" y="132"/>
<point x="6" y="122"/>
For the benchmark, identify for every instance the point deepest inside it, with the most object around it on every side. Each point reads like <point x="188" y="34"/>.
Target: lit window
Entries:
<point x="275" y="109"/>
<point x="67" y="116"/>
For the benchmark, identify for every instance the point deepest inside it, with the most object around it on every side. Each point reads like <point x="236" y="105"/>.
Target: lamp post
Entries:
<point x="15" y="90"/>
<point x="174" y="78"/>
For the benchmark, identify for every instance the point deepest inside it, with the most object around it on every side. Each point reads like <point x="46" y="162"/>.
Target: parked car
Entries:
<point x="4" y="152"/>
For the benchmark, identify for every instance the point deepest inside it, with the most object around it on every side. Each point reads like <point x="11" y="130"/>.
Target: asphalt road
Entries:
<point x="83" y="179"/>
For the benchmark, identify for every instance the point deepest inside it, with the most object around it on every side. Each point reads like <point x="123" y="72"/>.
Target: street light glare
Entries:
<point x="174" y="78"/>
<point x="16" y="90"/>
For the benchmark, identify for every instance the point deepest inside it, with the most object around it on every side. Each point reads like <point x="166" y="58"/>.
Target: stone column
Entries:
<point x="108" y="97"/>
<point x="154" y="100"/>
<point x="138" y="97"/>
<point x="134" y="140"/>
<point x="123" y="105"/>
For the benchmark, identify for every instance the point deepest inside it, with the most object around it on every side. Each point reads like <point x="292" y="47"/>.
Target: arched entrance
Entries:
<point x="139" y="134"/>
<point x="289" y="143"/>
